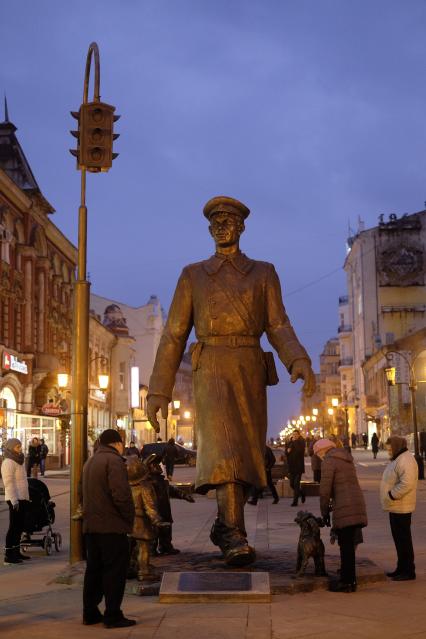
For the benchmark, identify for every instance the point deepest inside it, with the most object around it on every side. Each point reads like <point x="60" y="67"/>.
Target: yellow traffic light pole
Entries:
<point x="80" y="376"/>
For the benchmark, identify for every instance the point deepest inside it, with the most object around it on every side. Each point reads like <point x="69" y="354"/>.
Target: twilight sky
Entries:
<point x="311" y="112"/>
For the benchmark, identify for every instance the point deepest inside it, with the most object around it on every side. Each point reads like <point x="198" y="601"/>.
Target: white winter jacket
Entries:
<point x="15" y="481"/>
<point x="400" y="478"/>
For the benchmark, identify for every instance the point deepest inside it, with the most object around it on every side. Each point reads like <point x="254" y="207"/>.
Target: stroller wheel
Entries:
<point x="47" y="544"/>
<point x="57" y="540"/>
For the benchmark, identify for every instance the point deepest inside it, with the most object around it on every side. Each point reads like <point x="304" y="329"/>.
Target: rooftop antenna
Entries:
<point x="6" y="110"/>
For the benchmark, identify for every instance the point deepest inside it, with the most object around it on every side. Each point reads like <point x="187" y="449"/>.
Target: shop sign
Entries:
<point x="97" y="394"/>
<point x="12" y="363"/>
<point x="51" y="409"/>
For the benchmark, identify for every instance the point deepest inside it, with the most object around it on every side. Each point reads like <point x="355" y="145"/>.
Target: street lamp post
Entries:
<point x="390" y="375"/>
<point x="94" y="154"/>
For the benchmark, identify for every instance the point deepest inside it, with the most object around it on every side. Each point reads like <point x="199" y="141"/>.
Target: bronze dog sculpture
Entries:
<point x="310" y="544"/>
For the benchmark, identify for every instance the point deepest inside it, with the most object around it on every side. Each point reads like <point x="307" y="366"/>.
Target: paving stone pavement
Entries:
<point x="32" y="606"/>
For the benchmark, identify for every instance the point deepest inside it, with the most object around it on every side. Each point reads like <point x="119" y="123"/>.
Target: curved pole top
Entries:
<point x="93" y="50"/>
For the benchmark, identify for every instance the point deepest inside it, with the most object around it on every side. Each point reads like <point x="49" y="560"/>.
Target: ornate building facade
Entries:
<point x="37" y="268"/>
<point x="386" y="311"/>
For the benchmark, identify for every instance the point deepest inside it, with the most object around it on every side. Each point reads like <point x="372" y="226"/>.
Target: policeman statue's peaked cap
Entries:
<point x="224" y="204"/>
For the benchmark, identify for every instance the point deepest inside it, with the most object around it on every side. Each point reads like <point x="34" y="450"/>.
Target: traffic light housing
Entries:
<point x="95" y="136"/>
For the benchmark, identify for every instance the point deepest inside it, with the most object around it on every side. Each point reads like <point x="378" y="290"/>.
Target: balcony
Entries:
<point x="372" y="401"/>
<point x="343" y="300"/>
<point x="346" y="361"/>
<point x="344" y="328"/>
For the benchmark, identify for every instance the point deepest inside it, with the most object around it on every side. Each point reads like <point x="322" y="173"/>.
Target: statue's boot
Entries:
<point x="228" y="531"/>
<point x="145" y="571"/>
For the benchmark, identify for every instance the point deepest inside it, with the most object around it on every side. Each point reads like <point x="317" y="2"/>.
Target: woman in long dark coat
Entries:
<point x="375" y="445"/>
<point x="339" y="488"/>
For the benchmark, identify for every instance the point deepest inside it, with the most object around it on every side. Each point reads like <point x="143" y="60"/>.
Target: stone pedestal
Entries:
<point x="205" y="587"/>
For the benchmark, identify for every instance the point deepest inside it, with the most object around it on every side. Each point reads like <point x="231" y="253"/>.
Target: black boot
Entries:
<point x="340" y="586"/>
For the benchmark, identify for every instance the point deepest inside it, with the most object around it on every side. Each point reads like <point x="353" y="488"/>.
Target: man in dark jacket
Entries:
<point x="169" y="457"/>
<point x="269" y="464"/>
<point x="108" y="516"/>
<point x="296" y="464"/>
<point x="44" y="450"/>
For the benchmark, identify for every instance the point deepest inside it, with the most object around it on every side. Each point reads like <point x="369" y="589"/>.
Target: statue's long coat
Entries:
<point x="229" y="381"/>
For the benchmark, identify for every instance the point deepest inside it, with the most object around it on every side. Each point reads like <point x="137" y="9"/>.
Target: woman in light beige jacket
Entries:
<point x="398" y="497"/>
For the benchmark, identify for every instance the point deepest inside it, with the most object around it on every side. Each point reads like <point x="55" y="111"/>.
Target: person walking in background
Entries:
<point x="169" y="458"/>
<point x="269" y="464"/>
<point x="33" y="459"/>
<point x="295" y="452"/>
<point x="353" y="440"/>
<point x="398" y="497"/>
<point x="423" y="443"/>
<point x="131" y="449"/>
<point x="365" y="440"/>
<point x="375" y="445"/>
<point x="17" y="498"/>
<point x="315" y="460"/>
<point x="339" y="485"/>
<point x="108" y="517"/>
<point x="44" y="451"/>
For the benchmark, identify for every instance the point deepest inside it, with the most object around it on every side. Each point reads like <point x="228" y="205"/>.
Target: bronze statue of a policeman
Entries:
<point x="231" y="301"/>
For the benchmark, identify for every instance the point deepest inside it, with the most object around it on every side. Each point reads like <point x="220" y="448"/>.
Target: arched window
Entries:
<point x="7" y="394"/>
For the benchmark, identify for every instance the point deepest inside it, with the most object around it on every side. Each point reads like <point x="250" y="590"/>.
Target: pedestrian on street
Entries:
<point x="169" y="458"/>
<point x="131" y="450"/>
<point x="375" y="445"/>
<point x="17" y="498"/>
<point x="423" y="443"/>
<point x="339" y="485"/>
<point x="353" y="440"/>
<point x="33" y="459"/>
<point x="365" y="440"/>
<point x="269" y="464"/>
<point x="315" y="460"/>
<point x="44" y="451"/>
<point x="398" y="497"/>
<point x="108" y="516"/>
<point x="295" y="452"/>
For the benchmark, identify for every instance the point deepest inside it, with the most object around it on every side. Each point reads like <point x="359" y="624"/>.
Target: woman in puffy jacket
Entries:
<point x="339" y="488"/>
<point x="17" y="498"/>
<point x="398" y="497"/>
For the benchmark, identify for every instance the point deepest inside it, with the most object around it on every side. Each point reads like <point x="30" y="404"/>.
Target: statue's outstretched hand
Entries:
<point x="156" y="403"/>
<point x="301" y="369"/>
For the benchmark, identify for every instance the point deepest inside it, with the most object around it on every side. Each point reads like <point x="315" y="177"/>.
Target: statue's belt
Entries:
<point x="234" y="341"/>
<point x="229" y="340"/>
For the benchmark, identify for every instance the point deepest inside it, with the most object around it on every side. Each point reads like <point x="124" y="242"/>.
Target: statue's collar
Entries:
<point x="239" y="261"/>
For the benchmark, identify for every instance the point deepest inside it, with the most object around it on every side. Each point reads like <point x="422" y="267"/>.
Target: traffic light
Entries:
<point x="95" y="136"/>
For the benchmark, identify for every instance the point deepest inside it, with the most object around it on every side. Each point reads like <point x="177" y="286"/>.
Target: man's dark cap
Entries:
<point x="224" y="204"/>
<point x="110" y="436"/>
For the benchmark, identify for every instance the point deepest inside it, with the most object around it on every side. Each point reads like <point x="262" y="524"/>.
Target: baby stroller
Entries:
<point x="40" y="514"/>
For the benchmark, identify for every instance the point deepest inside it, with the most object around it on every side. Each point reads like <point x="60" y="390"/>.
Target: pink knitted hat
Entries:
<point x="323" y="444"/>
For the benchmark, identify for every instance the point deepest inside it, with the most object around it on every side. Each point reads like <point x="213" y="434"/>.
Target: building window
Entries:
<point x="122" y="376"/>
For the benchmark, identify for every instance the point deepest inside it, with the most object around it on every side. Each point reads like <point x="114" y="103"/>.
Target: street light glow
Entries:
<point x="103" y="381"/>
<point x="63" y="380"/>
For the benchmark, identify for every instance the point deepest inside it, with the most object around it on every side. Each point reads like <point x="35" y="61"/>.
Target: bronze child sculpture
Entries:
<point x="231" y="300"/>
<point x="147" y="517"/>
<point x="163" y="544"/>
